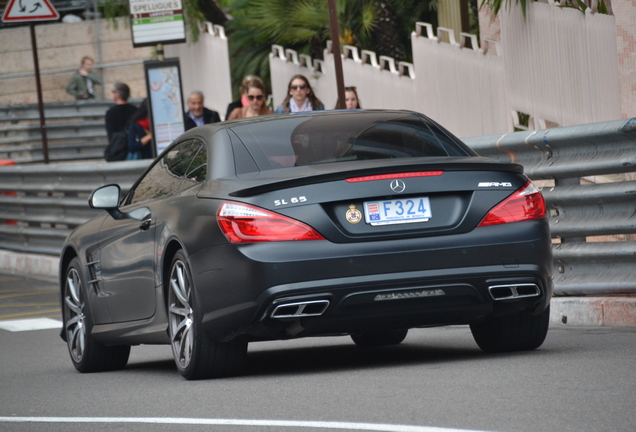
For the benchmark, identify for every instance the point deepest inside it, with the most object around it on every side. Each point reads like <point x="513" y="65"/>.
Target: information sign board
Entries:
<point x="155" y="22"/>
<point x="165" y="98"/>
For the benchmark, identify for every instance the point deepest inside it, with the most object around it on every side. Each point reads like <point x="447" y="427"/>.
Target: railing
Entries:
<point x="40" y="205"/>
<point x="581" y="210"/>
<point x="75" y="131"/>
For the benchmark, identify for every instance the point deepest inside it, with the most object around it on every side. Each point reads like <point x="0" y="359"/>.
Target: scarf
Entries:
<point x="293" y="107"/>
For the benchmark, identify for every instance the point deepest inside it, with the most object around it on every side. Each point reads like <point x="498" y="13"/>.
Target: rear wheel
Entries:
<point x="383" y="338"/>
<point x="196" y="355"/>
<point x="87" y="355"/>
<point x="519" y="332"/>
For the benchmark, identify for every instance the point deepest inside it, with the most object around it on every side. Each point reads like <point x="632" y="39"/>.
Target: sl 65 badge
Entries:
<point x="292" y="200"/>
<point x="353" y="215"/>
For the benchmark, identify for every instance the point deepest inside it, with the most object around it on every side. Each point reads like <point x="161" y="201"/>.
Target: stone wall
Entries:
<point x="625" y="12"/>
<point x="60" y="47"/>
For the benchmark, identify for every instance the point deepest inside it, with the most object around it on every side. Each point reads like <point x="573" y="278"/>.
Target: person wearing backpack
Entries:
<point x="117" y="119"/>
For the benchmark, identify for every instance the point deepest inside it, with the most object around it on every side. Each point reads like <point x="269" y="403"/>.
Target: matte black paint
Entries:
<point x="237" y="285"/>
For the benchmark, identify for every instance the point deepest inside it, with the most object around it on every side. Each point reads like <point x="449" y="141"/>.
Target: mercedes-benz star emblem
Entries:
<point x="398" y="186"/>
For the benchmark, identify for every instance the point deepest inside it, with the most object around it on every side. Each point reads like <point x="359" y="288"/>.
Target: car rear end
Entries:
<point x="348" y="222"/>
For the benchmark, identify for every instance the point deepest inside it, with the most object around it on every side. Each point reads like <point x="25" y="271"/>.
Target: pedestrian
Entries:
<point x="300" y="97"/>
<point x="255" y="95"/>
<point x="118" y="116"/>
<point x="117" y="119"/>
<point x="197" y="114"/>
<point x="139" y="134"/>
<point x="242" y="101"/>
<point x="351" y="99"/>
<point x="82" y="84"/>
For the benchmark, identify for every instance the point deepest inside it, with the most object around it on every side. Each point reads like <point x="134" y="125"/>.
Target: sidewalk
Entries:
<point x="590" y="311"/>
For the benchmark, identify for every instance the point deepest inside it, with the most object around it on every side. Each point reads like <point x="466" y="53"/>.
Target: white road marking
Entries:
<point x="235" y="422"/>
<point x="30" y="324"/>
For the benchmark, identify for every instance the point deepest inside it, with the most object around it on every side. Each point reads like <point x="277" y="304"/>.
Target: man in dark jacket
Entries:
<point x="117" y="117"/>
<point x="197" y="114"/>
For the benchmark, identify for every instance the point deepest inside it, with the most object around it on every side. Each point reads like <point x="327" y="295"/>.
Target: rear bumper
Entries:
<point x="391" y="284"/>
<point x="394" y="301"/>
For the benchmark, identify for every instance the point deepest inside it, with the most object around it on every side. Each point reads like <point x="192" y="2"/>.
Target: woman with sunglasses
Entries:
<point x="242" y="101"/>
<point x="300" y="97"/>
<point x="255" y="95"/>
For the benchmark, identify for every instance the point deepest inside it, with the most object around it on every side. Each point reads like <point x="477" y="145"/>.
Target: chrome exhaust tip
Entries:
<point x="300" y="309"/>
<point x="513" y="291"/>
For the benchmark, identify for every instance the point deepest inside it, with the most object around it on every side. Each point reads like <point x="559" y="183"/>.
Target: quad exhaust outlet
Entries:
<point x="300" y="309"/>
<point x="513" y="291"/>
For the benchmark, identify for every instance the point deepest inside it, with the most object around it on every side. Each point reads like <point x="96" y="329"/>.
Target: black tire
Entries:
<point x="196" y="355"/>
<point x="377" y="339"/>
<point x="519" y="332"/>
<point x="86" y="354"/>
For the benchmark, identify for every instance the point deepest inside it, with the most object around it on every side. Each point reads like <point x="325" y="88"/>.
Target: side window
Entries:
<point x="179" y="159"/>
<point x="180" y="168"/>
<point x="198" y="169"/>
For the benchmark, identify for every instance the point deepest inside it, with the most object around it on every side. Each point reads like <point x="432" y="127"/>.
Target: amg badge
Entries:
<point x="494" y="184"/>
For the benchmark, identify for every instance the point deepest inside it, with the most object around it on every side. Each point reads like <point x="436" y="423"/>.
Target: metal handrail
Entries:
<point x="568" y="152"/>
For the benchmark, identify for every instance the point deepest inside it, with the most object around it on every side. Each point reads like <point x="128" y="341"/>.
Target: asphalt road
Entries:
<point x="581" y="379"/>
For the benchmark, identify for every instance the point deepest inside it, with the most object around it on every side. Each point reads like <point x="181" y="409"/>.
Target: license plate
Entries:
<point x="397" y="211"/>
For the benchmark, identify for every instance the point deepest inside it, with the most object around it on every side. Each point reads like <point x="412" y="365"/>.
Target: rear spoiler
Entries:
<point x="305" y="178"/>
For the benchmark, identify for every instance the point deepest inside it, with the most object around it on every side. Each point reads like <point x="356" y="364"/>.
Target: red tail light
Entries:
<point x="525" y="204"/>
<point x="242" y="223"/>
<point x="394" y="176"/>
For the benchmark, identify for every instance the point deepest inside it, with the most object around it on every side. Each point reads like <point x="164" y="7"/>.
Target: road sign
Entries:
<point x="29" y="10"/>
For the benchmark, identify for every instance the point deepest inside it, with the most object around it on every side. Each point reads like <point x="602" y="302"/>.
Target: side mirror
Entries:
<point x="107" y="198"/>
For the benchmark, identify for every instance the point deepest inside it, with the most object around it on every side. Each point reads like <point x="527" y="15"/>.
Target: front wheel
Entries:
<point x="196" y="355"/>
<point x="518" y="332"/>
<point x="87" y="355"/>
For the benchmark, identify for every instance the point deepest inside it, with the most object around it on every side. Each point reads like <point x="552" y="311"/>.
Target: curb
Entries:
<point x="593" y="311"/>
<point x="29" y="264"/>
<point x="585" y="311"/>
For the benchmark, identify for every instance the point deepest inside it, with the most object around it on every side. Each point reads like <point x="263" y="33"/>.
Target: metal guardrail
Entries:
<point x="41" y="204"/>
<point x="57" y="110"/>
<point x="581" y="210"/>
<point x="15" y="134"/>
<point x="28" y="153"/>
<point x="75" y="131"/>
<point x="47" y="202"/>
<point x="594" y="268"/>
<point x="569" y="152"/>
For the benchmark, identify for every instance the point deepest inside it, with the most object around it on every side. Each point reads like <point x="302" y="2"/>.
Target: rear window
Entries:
<point x="297" y="140"/>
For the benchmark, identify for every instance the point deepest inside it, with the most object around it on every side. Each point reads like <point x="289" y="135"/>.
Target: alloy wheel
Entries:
<point x="181" y="315"/>
<point x="74" y="317"/>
